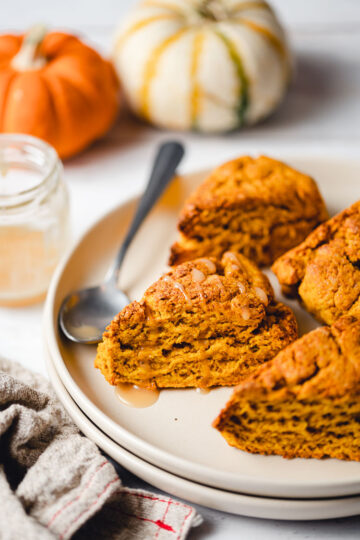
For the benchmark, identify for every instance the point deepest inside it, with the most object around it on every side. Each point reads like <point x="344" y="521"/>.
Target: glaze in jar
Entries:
<point x="34" y="223"/>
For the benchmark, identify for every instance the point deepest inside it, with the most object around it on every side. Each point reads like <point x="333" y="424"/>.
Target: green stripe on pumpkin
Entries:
<point x="244" y="90"/>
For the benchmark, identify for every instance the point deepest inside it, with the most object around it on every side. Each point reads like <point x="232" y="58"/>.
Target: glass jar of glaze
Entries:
<point x="34" y="218"/>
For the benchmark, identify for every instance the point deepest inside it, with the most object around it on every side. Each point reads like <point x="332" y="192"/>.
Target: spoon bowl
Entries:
<point x="85" y="314"/>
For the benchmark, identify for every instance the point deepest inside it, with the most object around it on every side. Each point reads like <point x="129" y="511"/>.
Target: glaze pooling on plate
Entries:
<point x="134" y="396"/>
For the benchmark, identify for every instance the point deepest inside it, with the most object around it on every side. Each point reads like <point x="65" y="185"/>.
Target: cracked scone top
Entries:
<point x="303" y="403"/>
<point x="258" y="207"/>
<point x="325" y="269"/>
<point x="204" y="323"/>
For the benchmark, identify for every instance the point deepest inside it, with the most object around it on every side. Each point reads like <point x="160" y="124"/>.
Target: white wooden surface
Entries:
<point x="322" y="110"/>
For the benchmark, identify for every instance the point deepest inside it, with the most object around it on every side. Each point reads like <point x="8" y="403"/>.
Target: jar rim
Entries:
<point x="7" y="139"/>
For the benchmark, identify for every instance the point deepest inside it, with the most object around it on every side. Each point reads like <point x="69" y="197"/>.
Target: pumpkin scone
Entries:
<point x="258" y="207"/>
<point x="204" y="323"/>
<point x="324" y="271"/>
<point x="305" y="402"/>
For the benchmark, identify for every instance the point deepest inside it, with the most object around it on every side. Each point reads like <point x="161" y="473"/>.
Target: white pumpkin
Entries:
<point x="210" y="65"/>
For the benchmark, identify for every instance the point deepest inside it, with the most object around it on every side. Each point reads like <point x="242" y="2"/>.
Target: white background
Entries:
<point x="321" y="110"/>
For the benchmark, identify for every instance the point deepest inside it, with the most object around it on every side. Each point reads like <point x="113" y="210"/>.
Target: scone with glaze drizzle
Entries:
<point x="303" y="403"/>
<point x="205" y="323"/>
<point x="258" y="207"/>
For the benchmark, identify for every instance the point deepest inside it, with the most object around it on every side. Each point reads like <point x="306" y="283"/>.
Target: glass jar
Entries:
<point x="34" y="217"/>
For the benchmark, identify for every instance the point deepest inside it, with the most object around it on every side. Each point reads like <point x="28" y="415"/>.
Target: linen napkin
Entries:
<point x="54" y="482"/>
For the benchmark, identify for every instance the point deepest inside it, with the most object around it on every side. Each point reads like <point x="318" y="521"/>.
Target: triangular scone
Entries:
<point x="324" y="271"/>
<point x="205" y="323"/>
<point x="303" y="403"/>
<point x="258" y="207"/>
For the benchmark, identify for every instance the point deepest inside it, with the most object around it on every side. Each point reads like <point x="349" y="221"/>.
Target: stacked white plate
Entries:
<point x="172" y="444"/>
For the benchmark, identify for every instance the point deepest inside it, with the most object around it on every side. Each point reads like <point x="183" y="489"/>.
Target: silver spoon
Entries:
<point x="84" y="314"/>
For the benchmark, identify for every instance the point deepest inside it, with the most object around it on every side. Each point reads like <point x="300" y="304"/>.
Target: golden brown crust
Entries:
<point x="305" y="400"/>
<point x="204" y="323"/>
<point x="325" y="269"/>
<point x="258" y="207"/>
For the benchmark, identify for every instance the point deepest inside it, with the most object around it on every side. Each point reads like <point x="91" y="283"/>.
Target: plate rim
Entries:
<point x="159" y="456"/>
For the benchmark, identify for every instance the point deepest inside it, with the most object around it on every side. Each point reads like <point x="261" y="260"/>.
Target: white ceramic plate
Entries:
<point x="176" y="432"/>
<point x="235" y="503"/>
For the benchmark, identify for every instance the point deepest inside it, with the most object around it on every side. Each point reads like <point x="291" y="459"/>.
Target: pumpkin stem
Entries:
<point x="213" y="10"/>
<point x="29" y="56"/>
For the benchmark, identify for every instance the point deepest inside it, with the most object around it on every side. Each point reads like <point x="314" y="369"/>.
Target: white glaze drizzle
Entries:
<point x="232" y="257"/>
<point x="231" y="269"/>
<point x="262" y="296"/>
<point x="241" y="287"/>
<point x="182" y="290"/>
<point x="209" y="265"/>
<point x="178" y="286"/>
<point x="197" y="275"/>
<point x="219" y="282"/>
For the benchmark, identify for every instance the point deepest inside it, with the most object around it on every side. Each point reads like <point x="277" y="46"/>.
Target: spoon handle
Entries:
<point x="167" y="159"/>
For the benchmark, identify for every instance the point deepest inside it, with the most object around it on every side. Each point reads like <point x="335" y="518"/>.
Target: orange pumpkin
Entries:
<point x="57" y="88"/>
